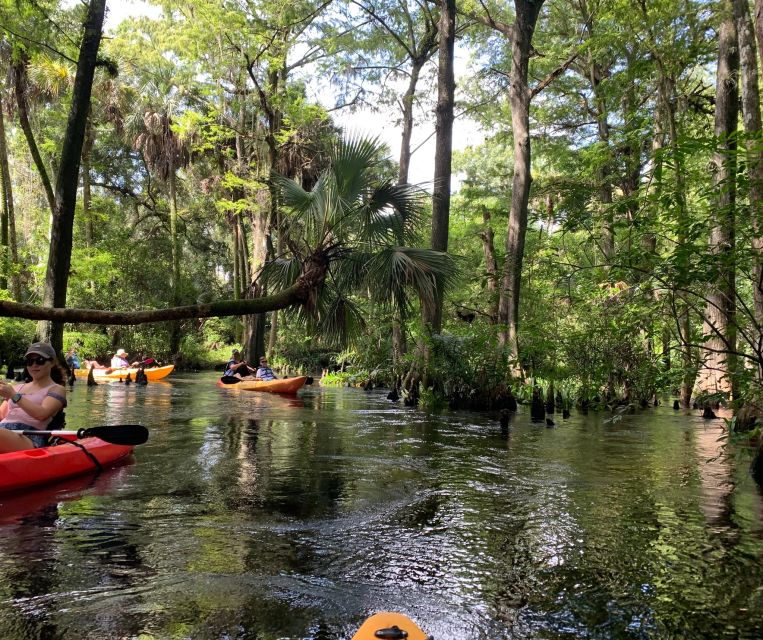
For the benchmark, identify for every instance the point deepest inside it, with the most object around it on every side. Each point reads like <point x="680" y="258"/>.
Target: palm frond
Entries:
<point x="391" y="215"/>
<point x="310" y="209"/>
<point x="395" y="269"/>
<point x="339" y="319"/>
<point x="280" y="273"/>
<point x="350" y="273"/>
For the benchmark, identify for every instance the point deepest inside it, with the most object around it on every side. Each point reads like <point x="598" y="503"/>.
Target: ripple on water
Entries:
<point x="251" y="515"/>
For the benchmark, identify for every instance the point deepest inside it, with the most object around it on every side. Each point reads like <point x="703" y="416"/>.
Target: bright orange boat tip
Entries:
<point x="389" y="625"/>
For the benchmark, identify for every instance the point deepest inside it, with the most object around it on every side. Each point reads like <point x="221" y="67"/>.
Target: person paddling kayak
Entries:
<point x="34" y="404"/>
<point x="238" y="368"/>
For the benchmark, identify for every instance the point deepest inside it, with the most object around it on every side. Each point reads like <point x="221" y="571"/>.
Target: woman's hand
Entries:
<point x="6" y="390"/>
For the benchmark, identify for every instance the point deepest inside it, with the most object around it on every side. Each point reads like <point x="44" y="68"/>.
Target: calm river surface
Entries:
<point x="250" y="515"/>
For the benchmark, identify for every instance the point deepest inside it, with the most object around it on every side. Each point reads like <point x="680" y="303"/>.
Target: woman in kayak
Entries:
<point x="32" y="405"/>
<point x="93" y="364"/>
<point x="264" y="372"/>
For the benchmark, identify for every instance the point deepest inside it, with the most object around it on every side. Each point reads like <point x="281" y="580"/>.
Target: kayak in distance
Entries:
<point x="156" y="373"/>
<point x="390" y="626"/>
<point x="281" y="385"/>
<point x="34" y="467"/>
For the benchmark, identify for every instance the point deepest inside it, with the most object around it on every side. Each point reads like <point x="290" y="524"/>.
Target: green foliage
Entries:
<point x="216" y="332"/>
<point x="15" y="335"/>
<point x="197" y="355"/>
<point x="344" y="379"/>
<point x="620" y="139"/>
<point x="359" y="221"/>
<point x="89" y="345"/>
<point x="430" y="400"/>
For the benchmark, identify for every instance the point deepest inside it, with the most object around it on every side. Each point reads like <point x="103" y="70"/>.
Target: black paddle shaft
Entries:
<point x="124" y="434"/>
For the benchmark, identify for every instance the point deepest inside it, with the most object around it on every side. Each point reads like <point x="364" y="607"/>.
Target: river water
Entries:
<point x="251" y="515"/>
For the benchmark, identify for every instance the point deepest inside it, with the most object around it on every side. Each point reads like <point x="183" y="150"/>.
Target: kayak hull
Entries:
<point x="282" y="385"/>
<point x="388" y="620"/>
<point x="156" y="373"/>
<point x="33" y="467"/>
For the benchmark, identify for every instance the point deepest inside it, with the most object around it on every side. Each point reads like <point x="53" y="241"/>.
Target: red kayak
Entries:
<point x="73" y="457"/>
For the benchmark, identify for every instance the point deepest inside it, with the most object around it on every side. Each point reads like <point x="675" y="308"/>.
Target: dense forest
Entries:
<point x="183" y="181"/>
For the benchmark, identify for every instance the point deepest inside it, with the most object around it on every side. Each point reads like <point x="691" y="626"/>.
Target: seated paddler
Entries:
<point x="32" y="405"/>
<point x="264" y="372"/>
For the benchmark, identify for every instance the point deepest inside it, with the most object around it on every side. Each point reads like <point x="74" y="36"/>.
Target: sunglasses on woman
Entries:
<point x="38" y="360"/>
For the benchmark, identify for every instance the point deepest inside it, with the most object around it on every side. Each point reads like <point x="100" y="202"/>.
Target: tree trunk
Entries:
<point x="7" y="203"/>
<point x="446" y="89"/>
<point x="527" y="12"/>
<point x="273" y="339"/>
<point x="19" y="76"/>
<point x="233" y="220"/>
<point x="752" y="127"/>
<point x="668" y="98"/>
<point x="59" y="256"/>
<point x="717" y="373"/>
<point x="254" y="327"/>
<point x="604" y="177"/>
<point x="683" y="315"/>
<point x="86" y="212"/>
<point x="11" y="213"/>
<point x="405" y="145"/>
<point x="175" y="248"/>
<point x="491" y="265"/>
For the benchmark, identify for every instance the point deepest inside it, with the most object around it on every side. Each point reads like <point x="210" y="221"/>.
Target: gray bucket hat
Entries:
<point x="42" y="349"/>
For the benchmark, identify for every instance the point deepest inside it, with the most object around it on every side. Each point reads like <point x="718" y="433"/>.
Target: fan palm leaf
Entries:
<point x="360" y="221"/>
<point x="394" y="270"/>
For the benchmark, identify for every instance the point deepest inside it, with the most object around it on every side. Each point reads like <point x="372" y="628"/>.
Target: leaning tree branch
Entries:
<point x="302" y="292"/>
<point x="288" y="297"/>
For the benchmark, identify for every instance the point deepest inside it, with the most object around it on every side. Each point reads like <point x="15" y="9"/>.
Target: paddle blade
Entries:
<point x="229" y="379"/>
<point x="126" y="434"/>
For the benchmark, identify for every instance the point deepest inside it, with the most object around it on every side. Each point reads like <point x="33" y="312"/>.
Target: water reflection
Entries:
<point x="253" y="515"/>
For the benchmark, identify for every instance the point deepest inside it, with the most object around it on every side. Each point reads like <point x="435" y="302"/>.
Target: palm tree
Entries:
<point x="360" y="224"/>
<point x="165" y="153"/>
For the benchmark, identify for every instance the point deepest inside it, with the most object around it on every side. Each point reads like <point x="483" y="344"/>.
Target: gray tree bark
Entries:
<point x="60" y="252"/>
<point x="527" y="12"/>
<point x="717" y="372"/>
<point x="446" y="89"/>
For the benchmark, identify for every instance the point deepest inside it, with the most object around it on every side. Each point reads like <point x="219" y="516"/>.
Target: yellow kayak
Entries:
<point x="388" y="625"/>
<point x="155" y="373"/>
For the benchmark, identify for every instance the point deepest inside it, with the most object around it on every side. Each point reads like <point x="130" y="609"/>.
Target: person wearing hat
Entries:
<point x="238" y="368"/>
<point x="120" y="361"/>
<point x="33" y="404"/>
<point x="264" y="372"/>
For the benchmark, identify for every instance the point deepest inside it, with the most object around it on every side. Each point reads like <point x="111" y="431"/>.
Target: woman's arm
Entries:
<point x="47" y="409"/>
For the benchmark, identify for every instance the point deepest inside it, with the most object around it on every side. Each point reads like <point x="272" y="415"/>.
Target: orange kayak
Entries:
<point x="282" y="385"/>
<point x="156" y="373"/>
<point x="33" y="467"/>
<point x="394" y="626"/>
